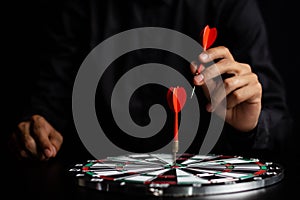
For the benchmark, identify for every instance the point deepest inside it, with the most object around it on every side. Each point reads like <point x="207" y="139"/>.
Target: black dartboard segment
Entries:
<point x="192" y="175"/>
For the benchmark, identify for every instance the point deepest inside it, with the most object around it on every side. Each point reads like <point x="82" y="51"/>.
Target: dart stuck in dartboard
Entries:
<point x="176" y="97"/>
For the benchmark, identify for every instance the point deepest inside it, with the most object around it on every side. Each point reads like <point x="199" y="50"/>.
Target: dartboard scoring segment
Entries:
<point x="156" y="174"/>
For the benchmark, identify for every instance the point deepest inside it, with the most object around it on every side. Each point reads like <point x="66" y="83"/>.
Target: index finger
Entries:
<point x="225" y="66"/>
<point x="215" y="53"/>
<point x="41" y="132"/>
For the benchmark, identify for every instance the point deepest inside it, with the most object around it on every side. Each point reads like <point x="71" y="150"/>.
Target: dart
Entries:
<point x="209" y="36"/>
<point x="176" y="97"/>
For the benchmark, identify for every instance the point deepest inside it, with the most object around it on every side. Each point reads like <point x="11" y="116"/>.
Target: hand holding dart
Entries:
<point x="209" y="36"/>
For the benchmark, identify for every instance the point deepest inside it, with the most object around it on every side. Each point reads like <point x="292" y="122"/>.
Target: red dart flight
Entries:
<point x="176" y="97"/>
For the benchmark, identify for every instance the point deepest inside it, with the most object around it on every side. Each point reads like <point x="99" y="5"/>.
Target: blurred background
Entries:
<point x="23" y="37"/>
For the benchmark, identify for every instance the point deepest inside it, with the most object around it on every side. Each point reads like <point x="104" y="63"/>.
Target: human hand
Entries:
<point x="243" y="91"/>
<point x="35" y="139"/>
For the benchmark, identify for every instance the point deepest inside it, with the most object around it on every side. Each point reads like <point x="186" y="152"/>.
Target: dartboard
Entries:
<point x="190" y="175"/>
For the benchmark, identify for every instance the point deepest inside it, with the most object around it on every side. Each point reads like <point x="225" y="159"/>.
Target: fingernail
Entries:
<point x="194" y="64"/>
<point x="199" y="78"/>
<point x="47" y="153"/>
<point x="23" y="154"/>
<point x="203" y="56"/>
<point x="54" y="150"/>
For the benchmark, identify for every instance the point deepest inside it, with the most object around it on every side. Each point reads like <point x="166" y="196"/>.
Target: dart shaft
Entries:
<point x="193" y="92"/>
<point x="176" y="127"/>
<point x="175" y="140"/>
<point x="175" y="149"/>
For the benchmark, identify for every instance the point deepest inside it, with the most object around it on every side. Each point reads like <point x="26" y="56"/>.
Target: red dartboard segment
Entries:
<point x="156" y="175"/>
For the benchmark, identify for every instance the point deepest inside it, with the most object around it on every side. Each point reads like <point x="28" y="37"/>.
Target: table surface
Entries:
<point x="52" y="180"/>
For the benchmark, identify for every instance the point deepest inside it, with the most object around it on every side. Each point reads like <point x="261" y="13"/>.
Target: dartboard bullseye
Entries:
<point x="192" y="175"/>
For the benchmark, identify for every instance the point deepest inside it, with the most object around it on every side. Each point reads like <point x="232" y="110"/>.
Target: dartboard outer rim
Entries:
<point x="173" y="190"/>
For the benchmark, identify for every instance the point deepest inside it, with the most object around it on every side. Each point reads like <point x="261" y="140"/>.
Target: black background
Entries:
<point x="22" y="37"/>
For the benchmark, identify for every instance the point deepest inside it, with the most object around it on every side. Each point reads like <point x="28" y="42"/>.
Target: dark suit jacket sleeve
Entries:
<point x="248" y="41"/>
<point x="63" y="48"/>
